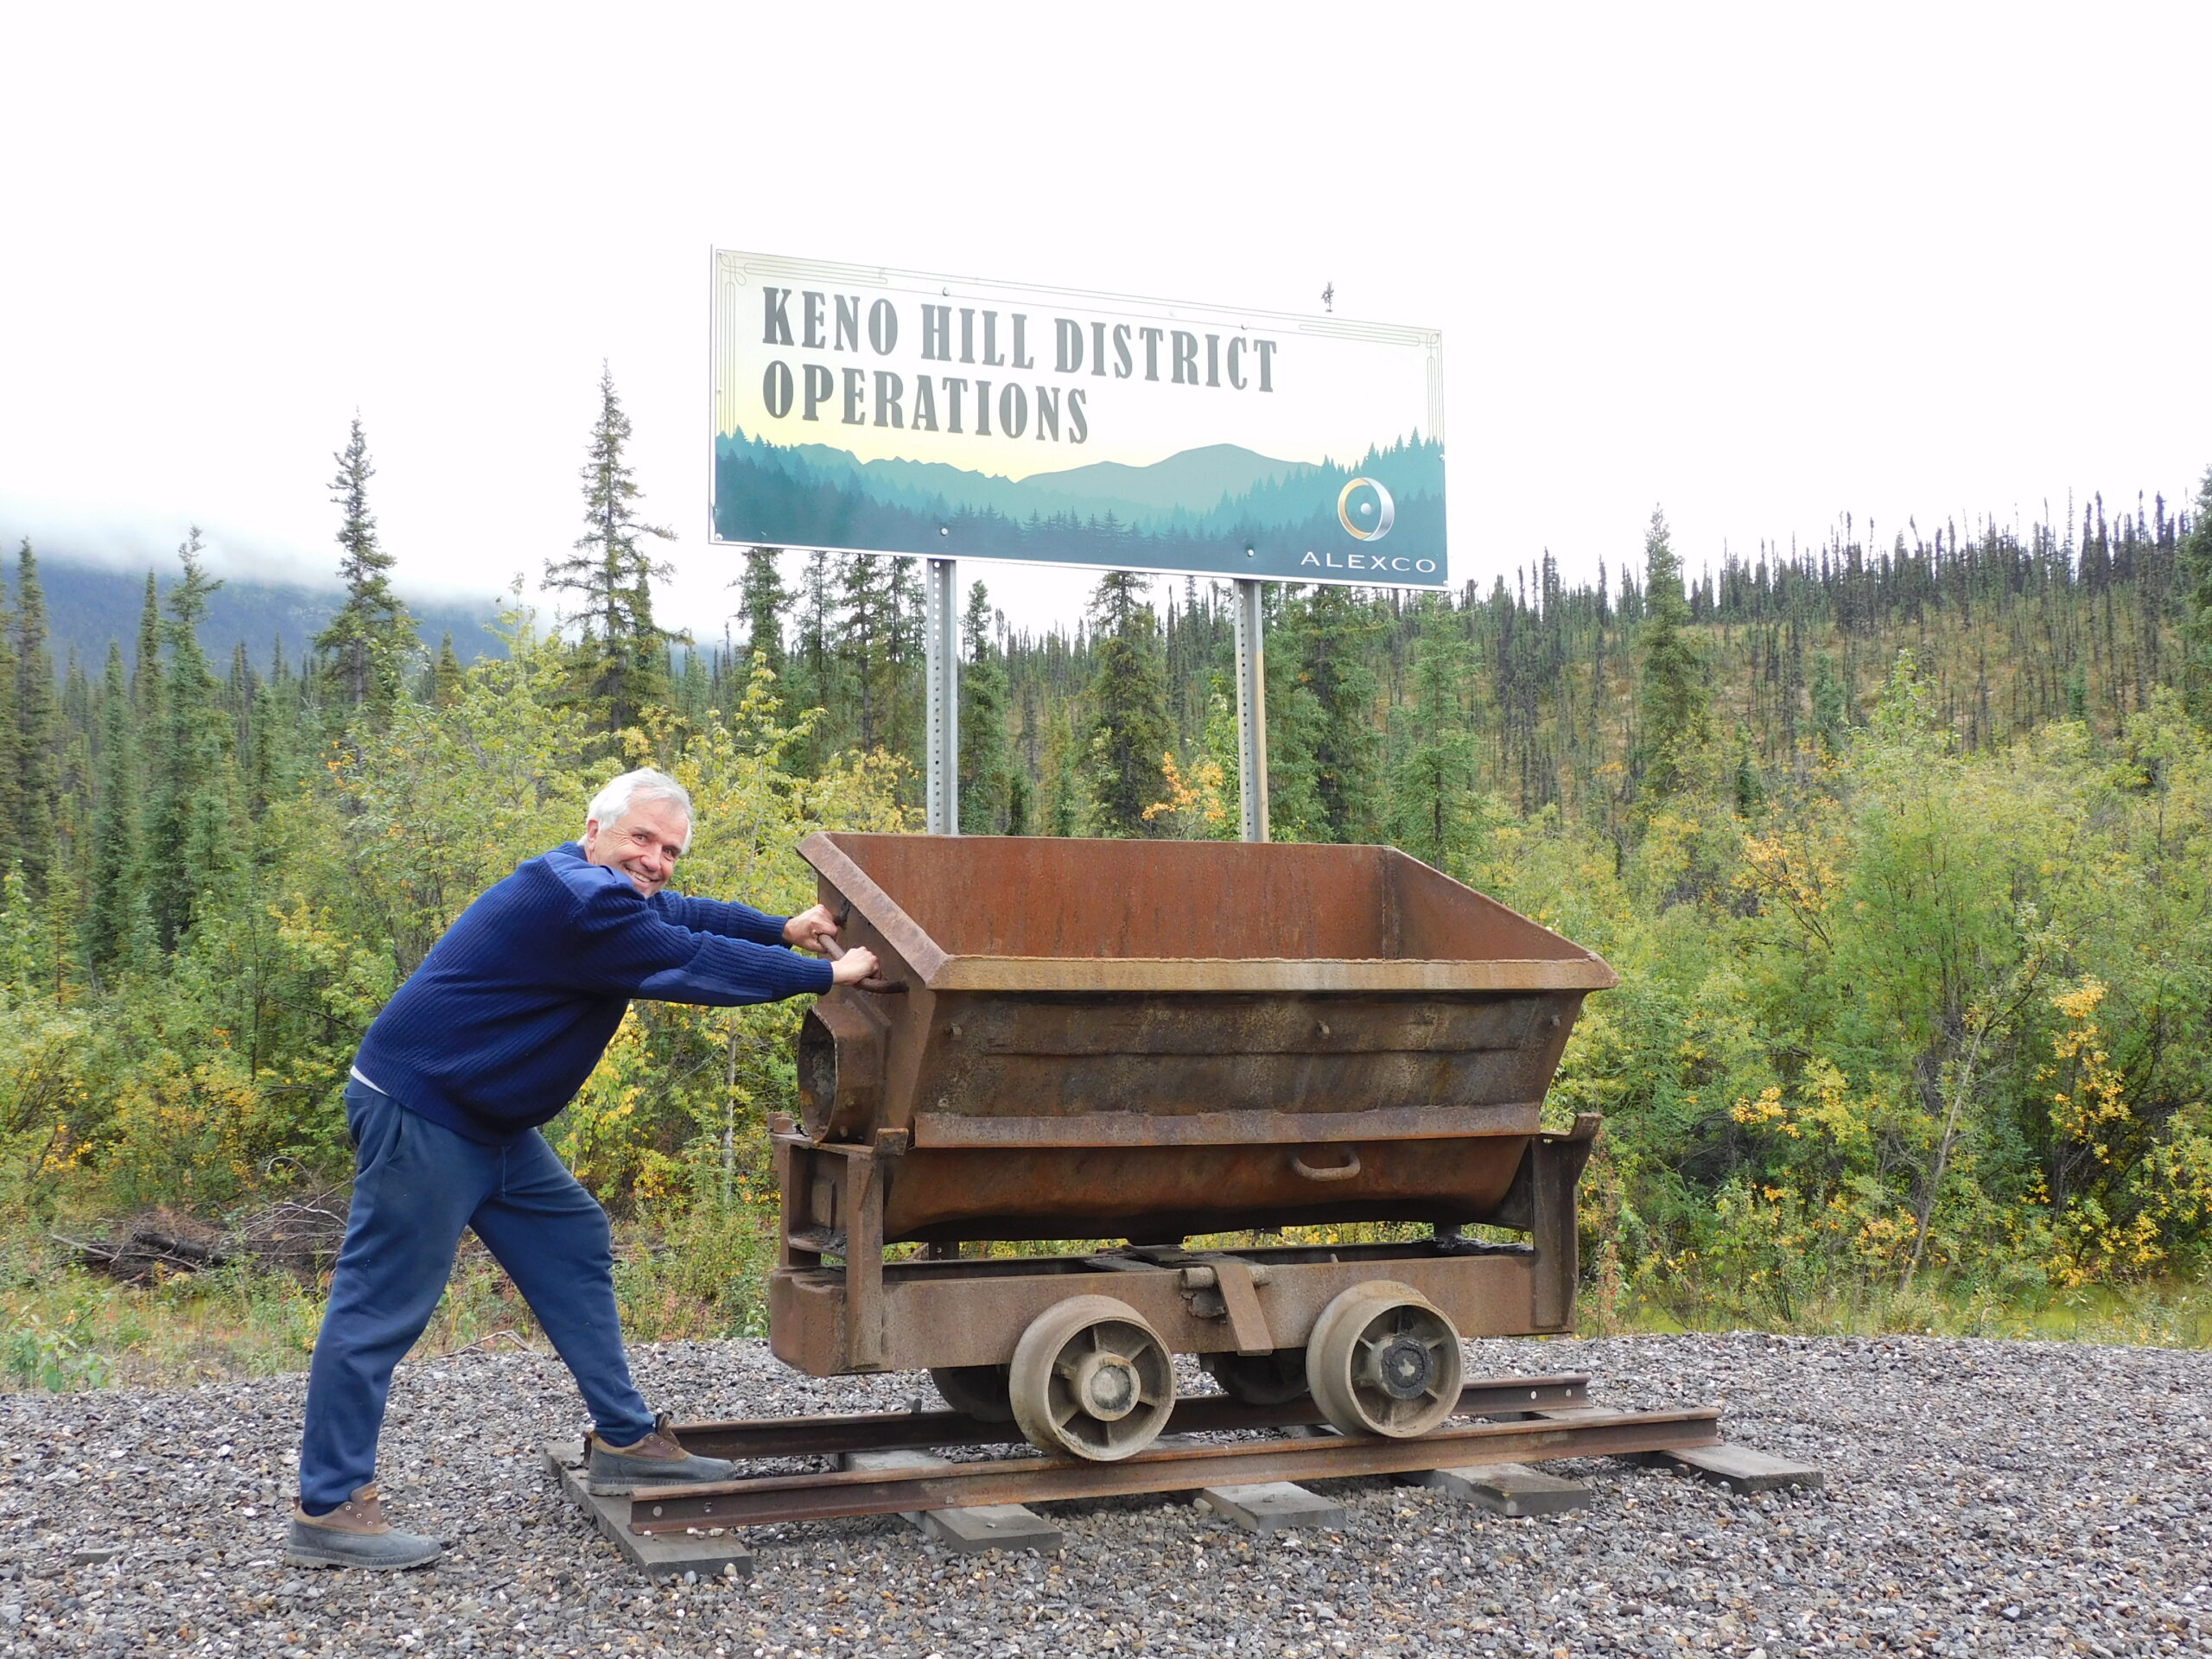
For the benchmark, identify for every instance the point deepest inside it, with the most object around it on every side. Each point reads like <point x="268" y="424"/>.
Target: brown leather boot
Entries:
<point x="356" y="1533"/>
<point x="656" y="1460"/>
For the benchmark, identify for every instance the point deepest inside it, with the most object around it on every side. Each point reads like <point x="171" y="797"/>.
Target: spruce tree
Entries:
<point x="1026" y="765"/>
<point x="146" y="699"/>
<point x="1672" y="698"/>
<point x="2193" y="558"/>
<point x="1061" y="789"/>
<point x="272" y="757"/>
<point x="74" y="730"/>
<point x="366" y="644"/>
<point x="240" y="688"/>
<point x="867" y="640"/>
<point x="76" y="701"/>
<point x="1432" y="794"/>
<point x="1295" y="719"/>
<point x="1831" y="710"/>
<point x="1129" y="733"/>
<point x="445" y="674"/>
<point x="37" y="738"/>
<point x="618" y="664"/>
<point x="816" y="626"/>
<point x="115" y="923"/>
<point x="761" y="599"/>
<point x="812" y="670"/>
<point x="9" y="734"/>
<point x="1336" y="627"/>
<point x="904" y="696"/>
<point x="985" y="768"/>
<point x="189" y="836"/>
<point x="692" y="692"/>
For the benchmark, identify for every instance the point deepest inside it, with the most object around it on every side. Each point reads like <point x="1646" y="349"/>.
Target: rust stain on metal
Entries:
<point x="941" y="899"/>
<point x="1219" y="1128"/>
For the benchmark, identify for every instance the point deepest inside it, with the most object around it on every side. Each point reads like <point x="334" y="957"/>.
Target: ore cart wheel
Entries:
<point x="979" y="1390"/>
<point x="1091" y="1377"/>
<point x="1383" y="1360"/>
<point x="1274" y="1379"/>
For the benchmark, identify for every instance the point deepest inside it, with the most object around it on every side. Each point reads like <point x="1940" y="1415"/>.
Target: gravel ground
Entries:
<point x="1984" y="1498"/>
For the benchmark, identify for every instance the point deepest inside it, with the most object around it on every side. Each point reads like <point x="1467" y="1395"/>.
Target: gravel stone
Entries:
<point x="1984" y="1498"/>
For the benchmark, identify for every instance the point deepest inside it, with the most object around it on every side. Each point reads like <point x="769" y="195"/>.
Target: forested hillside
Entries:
<point x="88" y="605"/>
<point x="1903" y="854"/>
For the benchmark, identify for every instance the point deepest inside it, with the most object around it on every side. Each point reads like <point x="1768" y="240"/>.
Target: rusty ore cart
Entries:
<point x="1149" y="1041"/>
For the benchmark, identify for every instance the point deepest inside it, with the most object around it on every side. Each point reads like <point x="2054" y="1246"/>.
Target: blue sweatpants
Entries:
<point x="416" y="1184"/>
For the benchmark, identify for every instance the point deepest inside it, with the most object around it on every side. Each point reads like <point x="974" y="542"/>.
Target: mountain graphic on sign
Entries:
<point x="1184" y="478"/>
<point x="1218" y="507"/>
<point x="1189" y="483"/>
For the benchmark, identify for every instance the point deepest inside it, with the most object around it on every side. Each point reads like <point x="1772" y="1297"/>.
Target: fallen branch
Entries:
<point x="139" y="1254"/>
<point x="299" y="1237"/>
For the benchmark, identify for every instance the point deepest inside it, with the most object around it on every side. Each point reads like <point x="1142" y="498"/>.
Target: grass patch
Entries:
<point x="705" y="1277"/>
<point x="68" y="1328"/>
<point x="2171" y="1314"/>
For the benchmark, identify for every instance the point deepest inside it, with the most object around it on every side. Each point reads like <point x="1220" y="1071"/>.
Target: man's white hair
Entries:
<point x="621" y="793"/>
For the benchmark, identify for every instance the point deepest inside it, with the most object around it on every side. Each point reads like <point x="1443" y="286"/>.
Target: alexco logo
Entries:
<point x="1374" y="510"/>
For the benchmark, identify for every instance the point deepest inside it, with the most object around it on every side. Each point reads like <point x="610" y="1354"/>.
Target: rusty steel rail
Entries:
<point x="1195" y="1414"/>
<point x="765" y="1500"/>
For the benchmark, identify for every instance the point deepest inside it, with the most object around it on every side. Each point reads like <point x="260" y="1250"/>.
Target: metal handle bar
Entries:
<point x="1338" y="1173"/>
<point x="874" y="982"/>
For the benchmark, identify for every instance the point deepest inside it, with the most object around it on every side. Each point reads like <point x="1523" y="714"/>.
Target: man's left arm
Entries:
<point x="735" y="921"/>
<point x="724" y="917"/>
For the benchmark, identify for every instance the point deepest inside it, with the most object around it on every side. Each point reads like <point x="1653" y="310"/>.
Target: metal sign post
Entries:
<point x="1251" y="710"/>
<point x="940" y="632"/>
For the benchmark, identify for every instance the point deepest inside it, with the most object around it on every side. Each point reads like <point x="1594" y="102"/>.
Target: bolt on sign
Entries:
<point x="865" y="409"/>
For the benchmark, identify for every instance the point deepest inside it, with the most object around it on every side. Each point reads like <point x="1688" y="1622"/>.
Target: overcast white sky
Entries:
<point x="1762" y="265"/>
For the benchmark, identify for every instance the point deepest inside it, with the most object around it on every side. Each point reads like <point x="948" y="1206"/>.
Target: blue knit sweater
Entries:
<point x="497" y="1030"/>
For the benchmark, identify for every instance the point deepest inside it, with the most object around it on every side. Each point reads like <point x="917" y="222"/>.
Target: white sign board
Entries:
<point x="857" y="408"/>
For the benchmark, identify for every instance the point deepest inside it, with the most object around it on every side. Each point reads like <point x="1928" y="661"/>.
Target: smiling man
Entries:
<point x="492" y="1036"/>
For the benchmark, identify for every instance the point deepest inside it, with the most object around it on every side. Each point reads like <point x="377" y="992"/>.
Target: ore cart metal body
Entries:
<point x="1145" y="1041"/>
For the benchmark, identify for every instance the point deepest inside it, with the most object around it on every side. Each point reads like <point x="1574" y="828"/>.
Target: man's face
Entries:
<point x="643" y="843"/>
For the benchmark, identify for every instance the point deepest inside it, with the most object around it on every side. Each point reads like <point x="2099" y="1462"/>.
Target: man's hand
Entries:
<point x="809" y="928"/>
<point x="816" y="929"/>
<point x="856" y="965"/>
